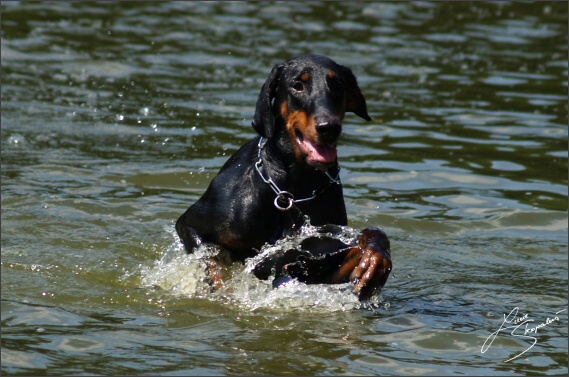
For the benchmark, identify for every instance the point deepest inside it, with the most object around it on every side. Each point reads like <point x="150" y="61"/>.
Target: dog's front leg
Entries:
<point x="213" y="271"/>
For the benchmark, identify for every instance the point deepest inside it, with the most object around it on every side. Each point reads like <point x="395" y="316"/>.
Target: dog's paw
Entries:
<point x="374" y="265"/>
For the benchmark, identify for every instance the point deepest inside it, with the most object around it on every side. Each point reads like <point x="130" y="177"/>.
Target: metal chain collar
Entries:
<point x="285" y="199"/>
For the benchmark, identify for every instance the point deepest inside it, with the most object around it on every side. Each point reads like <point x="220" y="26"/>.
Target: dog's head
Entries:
<point x="307" y="97"/>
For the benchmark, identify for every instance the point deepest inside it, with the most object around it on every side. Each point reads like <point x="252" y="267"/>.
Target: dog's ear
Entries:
<point x="355" y="101"/>
<point x="263" y="121"/>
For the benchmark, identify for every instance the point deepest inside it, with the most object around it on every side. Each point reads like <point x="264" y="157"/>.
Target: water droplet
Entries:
<point x="16" y="139"/>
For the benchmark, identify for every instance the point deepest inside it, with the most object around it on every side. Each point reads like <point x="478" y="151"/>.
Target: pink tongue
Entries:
<point x="319" y="153"/>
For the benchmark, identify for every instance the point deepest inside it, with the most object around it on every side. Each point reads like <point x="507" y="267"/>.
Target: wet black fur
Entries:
<point x="237" y="211"/>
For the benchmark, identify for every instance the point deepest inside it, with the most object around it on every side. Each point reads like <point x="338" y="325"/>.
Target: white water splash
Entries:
<point x="185" y="275"/>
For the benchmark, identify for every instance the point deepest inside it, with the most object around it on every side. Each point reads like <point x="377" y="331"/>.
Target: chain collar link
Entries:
<point x="285" y="200"/>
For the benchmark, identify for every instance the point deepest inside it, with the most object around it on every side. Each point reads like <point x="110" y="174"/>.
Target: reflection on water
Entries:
<point x="116" y="116"/>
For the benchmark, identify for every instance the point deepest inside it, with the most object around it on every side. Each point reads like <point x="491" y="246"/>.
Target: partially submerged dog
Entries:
<point x="266" y="190"/>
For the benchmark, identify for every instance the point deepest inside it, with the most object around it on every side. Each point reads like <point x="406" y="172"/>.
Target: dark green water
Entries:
<point x="115" y="117"/>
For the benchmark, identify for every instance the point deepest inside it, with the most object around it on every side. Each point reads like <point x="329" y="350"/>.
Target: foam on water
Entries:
<point x="184" y="274"/>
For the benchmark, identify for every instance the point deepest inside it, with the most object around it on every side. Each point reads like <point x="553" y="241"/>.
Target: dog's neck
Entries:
<point x="282" y="177"/>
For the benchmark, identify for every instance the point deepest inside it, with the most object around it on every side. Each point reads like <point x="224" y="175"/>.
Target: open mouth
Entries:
<point x="316" y="153"/>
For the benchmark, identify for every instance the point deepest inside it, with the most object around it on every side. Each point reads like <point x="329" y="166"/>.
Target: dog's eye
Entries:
<point x="298" y="86"/>
<point x="334" y="84"/>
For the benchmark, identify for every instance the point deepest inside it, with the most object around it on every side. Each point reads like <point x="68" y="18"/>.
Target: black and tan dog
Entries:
<point x="265" y="190"/>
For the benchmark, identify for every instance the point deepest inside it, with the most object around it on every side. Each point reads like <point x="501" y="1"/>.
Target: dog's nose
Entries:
<point x="329" y="131"/>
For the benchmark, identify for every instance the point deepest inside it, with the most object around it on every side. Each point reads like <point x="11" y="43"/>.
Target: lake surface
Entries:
<point x="116" y="115"/>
